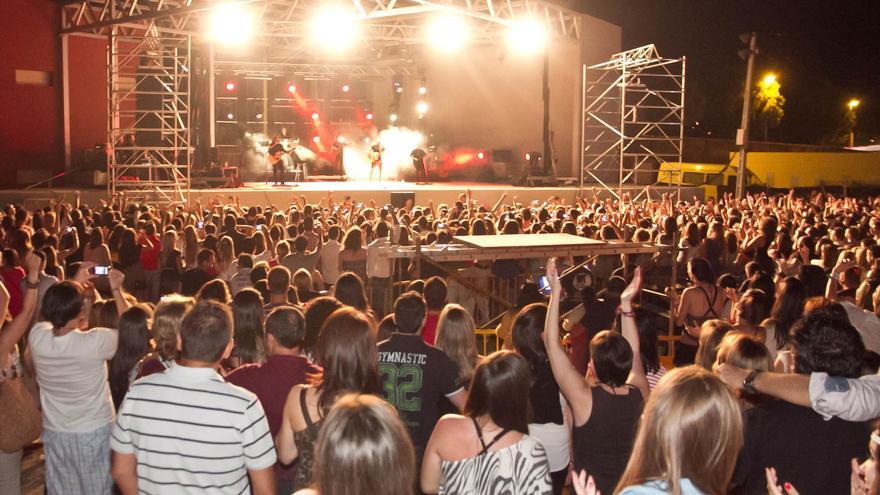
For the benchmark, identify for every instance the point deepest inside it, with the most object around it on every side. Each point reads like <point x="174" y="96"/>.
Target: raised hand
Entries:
<point x="773" y="488"/>
<point x="583" y="484"/>
<point x="553" y="276"/>
<point x="631" y="290"/>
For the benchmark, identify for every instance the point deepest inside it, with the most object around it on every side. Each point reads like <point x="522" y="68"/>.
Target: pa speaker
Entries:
<point x="398" y="199"/>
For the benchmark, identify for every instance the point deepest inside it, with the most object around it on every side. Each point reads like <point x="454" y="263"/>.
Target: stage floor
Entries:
<point x="259" y="193"/>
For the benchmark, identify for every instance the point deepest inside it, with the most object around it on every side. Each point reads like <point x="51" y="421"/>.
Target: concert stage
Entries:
<point x="259" y="193"/>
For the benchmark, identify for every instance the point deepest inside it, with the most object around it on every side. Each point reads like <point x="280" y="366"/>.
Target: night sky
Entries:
<point x="824" y="53"/>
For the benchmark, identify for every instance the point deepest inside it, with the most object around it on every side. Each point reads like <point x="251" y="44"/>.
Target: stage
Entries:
<point x="259" y="193"/>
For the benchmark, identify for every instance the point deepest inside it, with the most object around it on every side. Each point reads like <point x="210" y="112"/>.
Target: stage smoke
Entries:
<point x="396" y="162"/>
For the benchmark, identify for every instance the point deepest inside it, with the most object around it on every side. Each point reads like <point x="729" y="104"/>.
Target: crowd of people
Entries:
<point x="223" y="348"/>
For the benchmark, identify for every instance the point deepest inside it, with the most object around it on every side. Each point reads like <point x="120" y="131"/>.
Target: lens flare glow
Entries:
<point x="448" y="34"/>
<point x="422" y="107"/>
<point x="335" y="28"/>
<point x="527" y="36"/>
<point x="231" y="25"/>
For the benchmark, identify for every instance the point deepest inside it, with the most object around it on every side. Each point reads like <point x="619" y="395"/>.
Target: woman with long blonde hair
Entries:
<point x="226" y="258"/>
<point x="689" y="437"/>
<point x="455" y="337"/>
<point x="190" y="246"/>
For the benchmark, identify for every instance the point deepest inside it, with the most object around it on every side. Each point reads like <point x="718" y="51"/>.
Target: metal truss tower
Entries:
<point x="149" y="116"/>
<point x="633" y="121"/>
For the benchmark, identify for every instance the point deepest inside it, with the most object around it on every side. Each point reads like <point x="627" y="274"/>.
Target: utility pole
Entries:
<point x="742" y="135"/>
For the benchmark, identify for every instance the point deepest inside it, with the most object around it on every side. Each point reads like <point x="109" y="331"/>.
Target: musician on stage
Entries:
<point x="418" y="157"/>
<point x="275" y="157"/>
<point x="376" y="159"/>
<point x="338" y="159"/>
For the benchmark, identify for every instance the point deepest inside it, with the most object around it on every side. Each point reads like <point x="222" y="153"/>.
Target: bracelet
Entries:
<point x="31" y="285"/>
<point x="628" y="314"/>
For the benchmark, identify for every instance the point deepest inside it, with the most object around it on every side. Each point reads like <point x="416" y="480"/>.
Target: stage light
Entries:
<point x="315" y="116"/>
<point x="769" y="79"/>
<point x="335" y="28"/>
<point x="423" y="90"/>
<point x="346" y="88"/>
<point x="316" y="139"/>
<point x="369" y="116"/>
<point x="259" y="116"/>
<point x="852" y="104"/>
<point x="291" y="88"/>
<point x="230" y="86"/>
<point x="231" y="25"/>
<point x="481" y="155"/>
<point x="527" y="36"/>
<point x="340" y="139"/>
<point x="393" y="117"/>
<point x="399" y="89"/>
<point x="229" y="116"/>
<point x="448" y="34"/>
<point x="422" y="107"/>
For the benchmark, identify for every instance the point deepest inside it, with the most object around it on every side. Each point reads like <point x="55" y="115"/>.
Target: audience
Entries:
<point x="775" y="283"/>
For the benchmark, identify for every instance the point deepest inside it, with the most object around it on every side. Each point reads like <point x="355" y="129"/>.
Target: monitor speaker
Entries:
<point x="398" y="199"/>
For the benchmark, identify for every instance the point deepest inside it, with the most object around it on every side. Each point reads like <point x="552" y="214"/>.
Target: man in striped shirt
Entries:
<point x="188" y="431"/>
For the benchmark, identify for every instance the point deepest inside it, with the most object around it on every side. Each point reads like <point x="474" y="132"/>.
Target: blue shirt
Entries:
<point x="660" y="487"/>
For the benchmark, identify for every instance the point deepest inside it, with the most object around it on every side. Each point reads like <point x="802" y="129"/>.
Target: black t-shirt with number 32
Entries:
<point x="415" y="377"/>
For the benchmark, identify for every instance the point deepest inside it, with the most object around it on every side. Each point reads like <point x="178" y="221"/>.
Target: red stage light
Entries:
<point x="291" y="88"/>
<point x="230" y="86"/>
<point x="345" y="88"/>
<point x="481" y="155"/>
<point x="369" y="116"/>
<point x="316" y="139"/>
<point x="527" y="157"/>
<point x="315" y="116"/>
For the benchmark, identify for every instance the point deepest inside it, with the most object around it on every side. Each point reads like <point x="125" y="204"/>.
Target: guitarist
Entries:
<point x="275" y="157"/>
<point x="376" y="159"/>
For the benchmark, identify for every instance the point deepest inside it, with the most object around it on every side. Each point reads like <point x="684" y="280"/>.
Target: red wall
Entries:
<point x="88" y="92"/>
<point x="31" y="134"/>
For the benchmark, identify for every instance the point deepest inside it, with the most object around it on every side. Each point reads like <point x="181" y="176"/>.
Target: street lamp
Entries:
<point x="852" y="104"/>
<point x="769" y="79"/>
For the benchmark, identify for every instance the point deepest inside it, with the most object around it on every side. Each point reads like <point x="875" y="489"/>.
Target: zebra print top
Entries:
<point x="520" y="469"/>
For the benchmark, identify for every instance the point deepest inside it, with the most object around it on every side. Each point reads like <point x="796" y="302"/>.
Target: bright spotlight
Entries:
<point x="852" y="104"/>
<point x="448" y="34"/>
<point x="316" y="139"/>
<point x="423" y="90"/>
<point x="527" y="36"/>
<point x="229" y="116"/>
<point x="422" y="107"/>
<point x="315" y="116"/>
<point x="340" y="139"/>
<point x="769" y="79"/>
<point x="230" y="86"/>
<point x="259" y="116"/>
<point x="335" y="28"/>
<point x="346" y="88"/>
<point x="291" y="88"/>
<point x="399" y="89"/>
<point x="369" y="116"/>
<point x="393" y="117"/>
<point x="231" y="25"/>
<point x="481" y="155"/>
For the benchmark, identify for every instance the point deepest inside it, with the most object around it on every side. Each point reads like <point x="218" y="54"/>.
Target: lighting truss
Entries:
<point x="633" y="121"/>
<point x="306" y="71"/>
<point x="398" y="21"/>
<point x="148" y="99"/>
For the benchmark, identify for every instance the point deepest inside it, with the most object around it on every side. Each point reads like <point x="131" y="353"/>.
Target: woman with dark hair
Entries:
<point x="749" y="311"/>
<point x="134" y="344"/>
<point x="597" y="315"/>
<point x="165" y="329"/>
<point x="71" y="367"/>
<point x="689" y="244"/>
<point x="170" y="264"/>
<point x="363" y="449"/>
<point x="549" y="421"/>
<point x="529" y="293"/>
<point x="353" y="256"/>
<point x="214" y="290"/>
<point x="349" y="290"/>
<point x="95" y="250"/>
<point x="488" y="449"/>
<point x="648" y="325"/>
<point x="702" y="301"/>
<point x="316" y="313"/>
<point x="248" y="333"/>
<point x="787" y="309"/>
<point x="605" y="410"/>
<point x="129" y="249"/>
<point x="346" y="351"/>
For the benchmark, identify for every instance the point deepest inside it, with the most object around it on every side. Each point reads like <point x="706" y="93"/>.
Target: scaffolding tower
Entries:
<point x="633" y="122"/>
<point x="149" y="114"/>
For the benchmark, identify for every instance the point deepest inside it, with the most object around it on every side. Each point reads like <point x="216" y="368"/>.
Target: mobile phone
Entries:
<point x="200" y="225"/>
<point x="604" y="218"/>
<point x="544" y="285"/>
<point x="261" y="226"/>
<point x="69" y="229"/>
<point x="441" y="225"/>
<point x="102" y="270"/>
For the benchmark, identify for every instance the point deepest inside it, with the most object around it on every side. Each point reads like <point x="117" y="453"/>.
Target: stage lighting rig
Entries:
<point x="527" y="36"/>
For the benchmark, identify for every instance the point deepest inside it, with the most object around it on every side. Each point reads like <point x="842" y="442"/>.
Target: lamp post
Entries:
<point x="852" y="104"/>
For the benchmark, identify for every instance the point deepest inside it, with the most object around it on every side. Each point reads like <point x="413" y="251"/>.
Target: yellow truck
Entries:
<point x="779" y="170"/>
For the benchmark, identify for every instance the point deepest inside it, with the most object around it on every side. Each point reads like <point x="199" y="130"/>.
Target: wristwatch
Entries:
<point x="749" y="382"/>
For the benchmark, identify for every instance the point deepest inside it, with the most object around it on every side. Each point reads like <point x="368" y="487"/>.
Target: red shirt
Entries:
<point x="429" y="331"/>
<point x="12" y="278"/>
<point x="271" y="382"/>
<point x="150" y="254"/>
